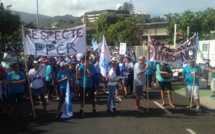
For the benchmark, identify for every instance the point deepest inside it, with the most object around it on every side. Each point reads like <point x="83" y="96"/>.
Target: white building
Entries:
<point x="207" y="51"/>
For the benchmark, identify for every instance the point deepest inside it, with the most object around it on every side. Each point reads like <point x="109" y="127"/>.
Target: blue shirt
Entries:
<point x="61" y="74"/>
<point x="97" y="71"/>
<point x="49" y="71"/>
<point x="121" y="68"/>
<point x="150" y="68"/>
<point x="189" y="76"/>
<point x="88" y="78"/>
<point x="11" y="76"/>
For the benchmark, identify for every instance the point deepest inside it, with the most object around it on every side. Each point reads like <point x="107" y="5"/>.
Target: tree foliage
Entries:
<point x="128" y="6"/>
<point x="118" y="29"/>
<point x="198" y="22"/>
<point x="9" y="23"/>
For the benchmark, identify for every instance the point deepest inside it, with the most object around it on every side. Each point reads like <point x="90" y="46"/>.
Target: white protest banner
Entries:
<point x="122" y="48"/>
<point x="55" y="42"/>
<point x="186" y="52"/>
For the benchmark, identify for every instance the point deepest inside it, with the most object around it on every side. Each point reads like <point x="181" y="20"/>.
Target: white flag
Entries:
<point x="104" y="57"/>
<point x="67" y="111"/>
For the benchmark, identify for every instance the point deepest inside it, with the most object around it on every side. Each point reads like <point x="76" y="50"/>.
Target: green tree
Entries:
<point x="118" y="29"/>
<point x="128" y="6"/>
<point x="201" y="22"/>
<point x="104" y="22"/>
<point x="172" y="19"/>
<point x="9" y="23"/>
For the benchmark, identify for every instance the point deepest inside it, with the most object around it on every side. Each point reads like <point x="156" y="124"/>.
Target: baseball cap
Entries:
<point x="141" y="58"/>
<point x="36" y="62"/>
<point x="114" y="59"/>
<point x="63" y="63"/>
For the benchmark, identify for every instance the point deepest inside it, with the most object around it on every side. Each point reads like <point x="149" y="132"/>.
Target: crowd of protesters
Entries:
<point x="48" y="77"/>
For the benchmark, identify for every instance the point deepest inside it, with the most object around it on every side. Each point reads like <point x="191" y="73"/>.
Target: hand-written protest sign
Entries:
<point x="122" y="48"/>
<point x="55" y="42"/>
<point x="183" y="53"/>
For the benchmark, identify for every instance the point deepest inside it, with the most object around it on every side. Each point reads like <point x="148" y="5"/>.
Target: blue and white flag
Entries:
<point x="98" y="45"/>
<point x="94" y="43"/>
<point x="104" y="57"/>
<point x="67" y="111"/>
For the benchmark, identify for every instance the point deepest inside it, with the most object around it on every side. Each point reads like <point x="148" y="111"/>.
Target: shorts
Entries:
<point x="213" y="84"/>
<point x="97" y="81"/>
<point x="165" y="85"/>
<point x="37" y="91"/>
<point x="13" y="97"/>
<point x="90" y="92"/>
<point x="124" y="80"/>
<point x="188" y="90"/>
<point x="138" y="90"/>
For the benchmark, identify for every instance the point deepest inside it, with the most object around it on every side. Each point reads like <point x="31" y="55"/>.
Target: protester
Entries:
<point x="112" y="82"/>
<point x="192" y="85"/>
<point x="87" y="83"/>
<point x="149" y="74"/>
<point x="108" y="68"/>
<point x="130" y="71"/>
<point x="50" y="82"/>
<point x="30" y="61"/>
<point x="139" y="80"/>
<point x="97" y="76"/>
<point x="212" y="82"/>
<point x="118" y="74"/>
<point x="164" y="73"/>
<point x="3" y="91"/>
<point x="63" y="76"/>
<point x="37" y="83"/>
<point x="15" y="81"/>
<point x="124" y="76"/>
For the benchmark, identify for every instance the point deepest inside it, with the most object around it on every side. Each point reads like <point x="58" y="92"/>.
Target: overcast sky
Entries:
<point x="79" y="7"/>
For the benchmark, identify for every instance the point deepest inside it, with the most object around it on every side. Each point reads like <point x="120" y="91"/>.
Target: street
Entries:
<point x="158" y="120"/>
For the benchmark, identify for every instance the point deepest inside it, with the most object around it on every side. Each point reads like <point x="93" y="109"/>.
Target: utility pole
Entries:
<point x="188" y="32"/>
<point x="37" y="16"/>
<point x="175" y="35"/>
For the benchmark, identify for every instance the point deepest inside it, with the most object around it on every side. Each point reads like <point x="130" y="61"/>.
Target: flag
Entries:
<point x="98" y="45"/>
<point x="94" y="43"/>
<point x="67" y="111"/>
<point x="104" y="57"/>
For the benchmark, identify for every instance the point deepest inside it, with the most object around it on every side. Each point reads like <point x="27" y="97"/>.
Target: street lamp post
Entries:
<point x="37" y="15"/>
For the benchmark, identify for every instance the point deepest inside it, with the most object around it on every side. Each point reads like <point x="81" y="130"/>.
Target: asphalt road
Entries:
<point x="157" y="121"/>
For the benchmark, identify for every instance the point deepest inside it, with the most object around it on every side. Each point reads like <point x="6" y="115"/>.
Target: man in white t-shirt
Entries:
<point x="37" y="82"/>
<point x="139" y="80"/>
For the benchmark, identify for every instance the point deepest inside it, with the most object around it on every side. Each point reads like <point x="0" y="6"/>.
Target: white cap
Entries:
<point x="141" y="58"/>
<point x="114" y="59"/>
<point x="63" y="63"/>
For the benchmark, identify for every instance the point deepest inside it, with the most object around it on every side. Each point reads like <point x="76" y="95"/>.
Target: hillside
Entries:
<point x="45" y="21"/>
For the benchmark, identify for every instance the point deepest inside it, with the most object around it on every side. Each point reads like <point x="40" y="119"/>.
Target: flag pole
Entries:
<point x="26" y="67"/>
<point x="84" y="87"/>
<point x="147" y="87"/>
<point x="194" y="80"/>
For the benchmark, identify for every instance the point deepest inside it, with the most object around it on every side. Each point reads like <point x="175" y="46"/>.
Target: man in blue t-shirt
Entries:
<point x="87" y="83"/>
<point x="63" y="76"/>
<point x="192" y="86"/>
